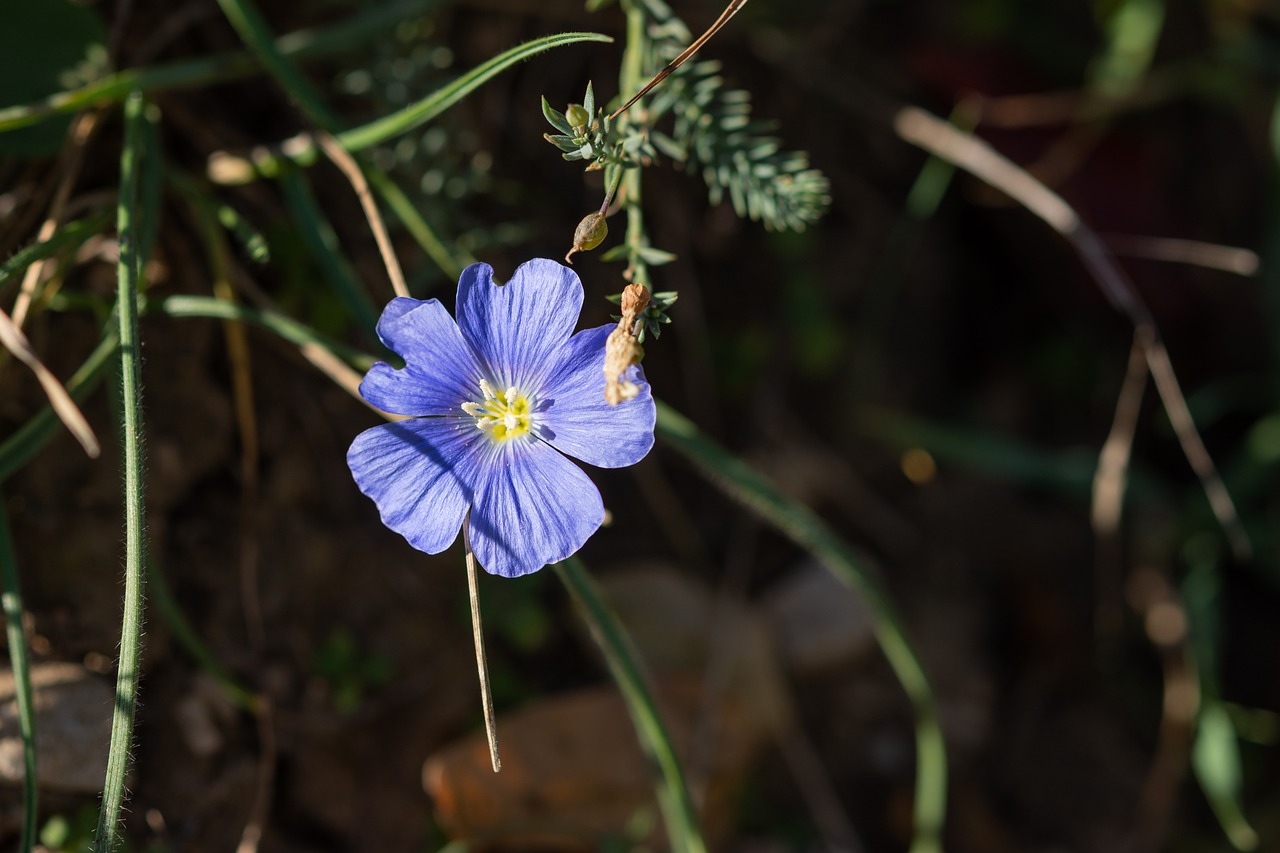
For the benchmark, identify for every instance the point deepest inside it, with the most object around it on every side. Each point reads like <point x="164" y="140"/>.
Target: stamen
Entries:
<point x="511" y="395"/>
<point x="487" y="390"/>
<point x="510" y="421"/>
<point x="472" y="409"/>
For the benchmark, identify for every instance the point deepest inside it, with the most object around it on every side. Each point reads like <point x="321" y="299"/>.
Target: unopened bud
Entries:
<point x="577" y="115"/>
<point x="590" y="233"/>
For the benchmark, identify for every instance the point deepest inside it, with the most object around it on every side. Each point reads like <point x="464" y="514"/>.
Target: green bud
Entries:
<point x="590" y="233"/>
<point x="577" y="115"/>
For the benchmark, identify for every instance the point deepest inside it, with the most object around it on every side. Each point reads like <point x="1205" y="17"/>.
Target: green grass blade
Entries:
<point x="252" y="29"/>
<point x="304" y="44"/>
<point x="285" y="327"/>
<point x="624" y="665"/>
<point x="187" y="636"/>
<point x="755" y="492"/>
<point x="70" y="235"/>
<point x="303" y="151"/>
<point x="18" y="448"/>
<point x="423" y="111"/>
<point x="11" y="603"/>
<point x="451" y="263"/>
<point x="128" y="675"/>
<point x="320" y="238"/>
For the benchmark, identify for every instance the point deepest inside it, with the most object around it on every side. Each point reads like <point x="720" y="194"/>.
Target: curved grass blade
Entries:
<point x="68" y="236"/>
<point x="755" y="492"/>
<point x="318" y="235"/>
<point x="285" y="327"/>
<point x="624" y="665"/>
<point x="304" y="152"/>
<point x="127" y="676"/>
<point x="303" y="44"/>
<point x="11" y="602"/>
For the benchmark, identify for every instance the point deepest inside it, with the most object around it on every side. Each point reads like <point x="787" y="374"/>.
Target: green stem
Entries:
<point x="11" y="602"/>
<point x="252" y="29"/>
<point x="127" y="676"/>
<point x="630" y="80"/>
<point x="624" y="665"/>
<point x="751" y="489"/>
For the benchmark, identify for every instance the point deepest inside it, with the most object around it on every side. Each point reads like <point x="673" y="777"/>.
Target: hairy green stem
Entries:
<point x="624" y="665"/>
<point x="128" y="675"/>
<point x="11" y="602"/>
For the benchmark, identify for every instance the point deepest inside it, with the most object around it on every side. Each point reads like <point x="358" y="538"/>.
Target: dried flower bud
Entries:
<point x="622" y="349"/>
<point x="590" y="232"/>
<point x="577" y="115"/>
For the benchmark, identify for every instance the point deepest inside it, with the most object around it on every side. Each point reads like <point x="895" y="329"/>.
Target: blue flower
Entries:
<point x="497" y="400"/>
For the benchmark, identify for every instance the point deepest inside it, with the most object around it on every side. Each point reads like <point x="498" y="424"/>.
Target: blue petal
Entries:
<point x="440" y="370"/>
<point x="420" y="473"/>
<point x="536" y="507"/>
<point x="577" y="419"/>
<point x="516" y="328"/>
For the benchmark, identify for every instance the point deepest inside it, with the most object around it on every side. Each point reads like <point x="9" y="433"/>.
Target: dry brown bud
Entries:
<point x="623" y="349"/>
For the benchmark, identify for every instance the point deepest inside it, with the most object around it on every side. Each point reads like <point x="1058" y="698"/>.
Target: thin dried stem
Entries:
<point x="12" y="338"/>
<point x="976" y="157"/>
<point x="482" y="662"/>
<point x="69" y="165"/>
<point x="344" y="161"/>
<point x="729" y="12"/>
<point x="1109" y="483"/>
<point x="1212" y="256"/>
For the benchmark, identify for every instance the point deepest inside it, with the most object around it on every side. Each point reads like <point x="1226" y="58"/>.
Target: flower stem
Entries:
<point x="477" y="634"/>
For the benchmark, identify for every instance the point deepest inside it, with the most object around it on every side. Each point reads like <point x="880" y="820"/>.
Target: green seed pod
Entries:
<point x="590" y="233"/>
<point x="577" y="116"/>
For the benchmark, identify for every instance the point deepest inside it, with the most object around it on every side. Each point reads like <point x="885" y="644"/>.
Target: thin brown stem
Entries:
<point x="979" y="159"/>
<point x="477" y="633"/>
<point x="729" y="12"/>
<point x="345" y="162"/>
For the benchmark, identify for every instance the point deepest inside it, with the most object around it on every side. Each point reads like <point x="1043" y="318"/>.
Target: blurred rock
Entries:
<point x="820" y="623"/>
<point x="573" y="775"/>
<point x="73" y="728"/>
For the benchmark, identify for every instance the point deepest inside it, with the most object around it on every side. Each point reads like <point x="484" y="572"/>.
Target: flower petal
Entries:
<point x="576" y="418"/>
<point x="441" y="370"/>
<point x="421" y="475"/>
<point x="517" y="327"/>
<point x="536" y="507"/>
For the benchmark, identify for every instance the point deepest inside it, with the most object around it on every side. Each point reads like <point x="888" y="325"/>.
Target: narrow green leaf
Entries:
<point x="628" y="673"/>
<point x="796" y="521"/>
<point x="252" y="29"/>
<point x="436" y="103"/>
<point x="68" y="236"/>
<point x="556" y="119"/>
<point x="320" y="238"/>
<point x="285" y="327"/>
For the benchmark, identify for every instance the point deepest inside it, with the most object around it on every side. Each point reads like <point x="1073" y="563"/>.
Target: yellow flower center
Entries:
<point x="502" y="416"/>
